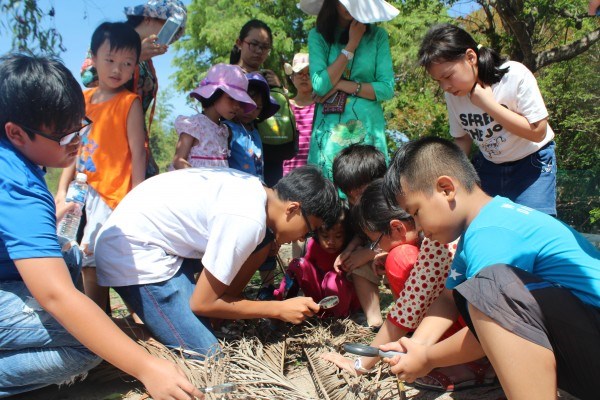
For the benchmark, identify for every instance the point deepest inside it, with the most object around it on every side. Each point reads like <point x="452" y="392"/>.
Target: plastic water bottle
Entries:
<point x="77" y="192"/>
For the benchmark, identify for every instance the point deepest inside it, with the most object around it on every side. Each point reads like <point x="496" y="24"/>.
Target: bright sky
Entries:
<point x="77" y="19"/>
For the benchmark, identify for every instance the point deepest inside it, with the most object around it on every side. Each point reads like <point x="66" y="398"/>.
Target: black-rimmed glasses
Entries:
<point x="374" y="246"/>
<point x="311" y="232"/>
<point x="258" y="47"/>
<point x="65" y="138"/>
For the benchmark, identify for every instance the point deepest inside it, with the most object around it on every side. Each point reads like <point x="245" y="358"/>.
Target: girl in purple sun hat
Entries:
<point x="203" y="138"/>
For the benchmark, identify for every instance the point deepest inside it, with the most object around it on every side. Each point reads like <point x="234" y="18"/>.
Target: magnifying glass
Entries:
<point x="369" y="351"/>
<point x="220" y="389"/>
<point x="329" y="302"/>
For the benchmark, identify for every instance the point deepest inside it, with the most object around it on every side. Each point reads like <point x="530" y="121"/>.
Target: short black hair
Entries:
<point x="258" y="88"/>
<point x="345" y="219"/>
<point x="373" y="212"/>
<point x="120" y="36"/>
<point x="421" y="162"/>
<point x="356" y="166"/>
<point x="315" y="193"/>
<point x="210" y="101"/>
<point x="38" y="92"/>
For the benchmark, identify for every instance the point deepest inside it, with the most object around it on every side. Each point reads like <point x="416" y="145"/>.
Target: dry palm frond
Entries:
<point x="259" y="371"/>
<point x="337" y="385"/>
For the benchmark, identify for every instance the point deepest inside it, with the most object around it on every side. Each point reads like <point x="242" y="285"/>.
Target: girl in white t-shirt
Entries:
<point x="496" y="104"/>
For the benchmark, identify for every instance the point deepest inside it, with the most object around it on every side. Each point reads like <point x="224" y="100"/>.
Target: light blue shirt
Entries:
<point x="508" y="233"/>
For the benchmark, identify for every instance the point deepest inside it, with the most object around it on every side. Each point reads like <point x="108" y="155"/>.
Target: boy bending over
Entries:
<point x="527" y="284"/>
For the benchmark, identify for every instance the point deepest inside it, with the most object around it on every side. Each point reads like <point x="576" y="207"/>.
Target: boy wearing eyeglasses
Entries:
<point x="50" y="333"/>
<point x="113" y="154"/>
<point x="150" y="251"/>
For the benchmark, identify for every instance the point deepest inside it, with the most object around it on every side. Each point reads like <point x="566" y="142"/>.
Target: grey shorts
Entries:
<point x="542" y="313"/>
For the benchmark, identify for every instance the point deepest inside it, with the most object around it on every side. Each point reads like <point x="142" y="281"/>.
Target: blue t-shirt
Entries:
<point x="508" y="233"/>
<point x="246" y="150"/>
<point x="27" y="212"/>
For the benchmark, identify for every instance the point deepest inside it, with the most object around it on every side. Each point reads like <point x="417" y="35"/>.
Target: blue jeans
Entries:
<point x="165" y="309"/>
<point x="35" y="350"/>
<point x="530" y="181"/>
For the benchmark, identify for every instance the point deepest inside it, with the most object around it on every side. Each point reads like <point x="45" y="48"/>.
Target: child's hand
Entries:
<point x="295" y="310"/>
<point x="358" y="258"/>
<point x="342" y="362"/>
<point x="271" y="77"/>
<point x="338" y="264"/>
<point x="63" y="208"/>
<point x="151" y="49"/>
<point x="410" y="366"/>
<point x="482" y="96"/>
<point x="378" y="264"/>
<point x="164" y="380"/>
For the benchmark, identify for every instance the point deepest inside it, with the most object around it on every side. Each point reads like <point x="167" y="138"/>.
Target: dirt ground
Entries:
<point x="107" y="383"/>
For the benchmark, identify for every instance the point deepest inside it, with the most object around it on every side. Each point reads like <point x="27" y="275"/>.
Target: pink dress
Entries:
<point x="212" y="148"/>
<point x="304" y="123"/>
<point x="317" y="279"/>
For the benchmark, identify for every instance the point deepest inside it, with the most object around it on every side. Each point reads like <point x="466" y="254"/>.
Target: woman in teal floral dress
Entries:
<point x="348" y="54"/>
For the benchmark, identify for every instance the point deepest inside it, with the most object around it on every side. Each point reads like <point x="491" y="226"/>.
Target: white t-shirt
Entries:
<point x="518" y="91"/>
<point x="218" y="215"/>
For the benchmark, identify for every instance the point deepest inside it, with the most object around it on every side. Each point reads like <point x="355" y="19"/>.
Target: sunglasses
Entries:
<point x="374" y="246"/>
<point x="311" y="232"/>
<point x="65" y="138"/>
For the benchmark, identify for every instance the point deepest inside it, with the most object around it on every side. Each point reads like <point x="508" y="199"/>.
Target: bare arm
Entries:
<point x="66" y="176"/>
<point x="336" y="70"/>
<point x="440" y="317"/>
<point x="80" y="316"/>
<point x="482" y="97"/>
<point x="366" y="89"/>
<point x="212" y="298"/>
<point x="182" y="151"/>
<point x="464" y="142"/>
<point x="136" y="138"/>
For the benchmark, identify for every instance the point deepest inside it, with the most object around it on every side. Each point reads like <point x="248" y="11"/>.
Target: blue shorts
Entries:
<point x="530" y="181"/>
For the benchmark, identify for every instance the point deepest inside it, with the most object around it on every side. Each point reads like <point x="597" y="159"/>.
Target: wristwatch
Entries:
<point x="349" y="55"/>
<point x="359" y="368"/>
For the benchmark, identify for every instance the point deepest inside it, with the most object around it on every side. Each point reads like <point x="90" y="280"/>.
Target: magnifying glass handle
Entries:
<point x="389" y="354"/>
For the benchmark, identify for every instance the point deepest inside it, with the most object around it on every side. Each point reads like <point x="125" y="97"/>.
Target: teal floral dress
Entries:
<point x="362" y="120"/>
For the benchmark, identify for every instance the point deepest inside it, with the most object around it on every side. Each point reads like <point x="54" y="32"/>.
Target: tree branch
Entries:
<point x="566" y="52"/>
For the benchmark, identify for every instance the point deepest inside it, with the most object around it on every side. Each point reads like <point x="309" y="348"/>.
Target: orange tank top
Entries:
<point x="104" y="155"/>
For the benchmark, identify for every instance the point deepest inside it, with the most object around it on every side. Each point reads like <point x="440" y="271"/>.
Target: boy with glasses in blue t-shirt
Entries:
<point x="50" y="333"/>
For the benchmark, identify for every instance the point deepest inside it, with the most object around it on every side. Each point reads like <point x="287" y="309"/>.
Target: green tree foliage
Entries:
<point x="537" y="33"/>
<point x="163" y="137"/>
<point x="28" y="25"/>
<point x="214" y="25"/>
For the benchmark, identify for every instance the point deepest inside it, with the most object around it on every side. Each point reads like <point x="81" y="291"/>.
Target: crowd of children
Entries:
<point x="475" y="266"/>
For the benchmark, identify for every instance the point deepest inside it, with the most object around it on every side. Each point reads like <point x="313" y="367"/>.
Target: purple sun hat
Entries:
<point x="256" y="79"/>
<point x="231" y="80"/>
